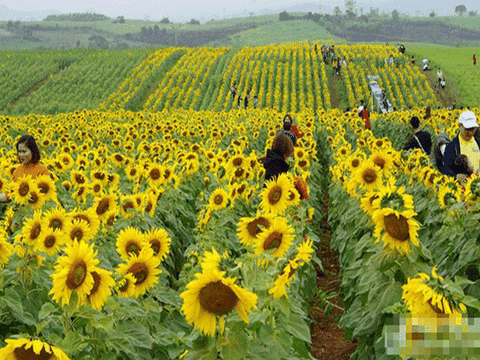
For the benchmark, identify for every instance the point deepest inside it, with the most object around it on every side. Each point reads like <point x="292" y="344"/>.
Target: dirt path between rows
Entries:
<point x="27" y="93"/>
<point x="328" y="342"/>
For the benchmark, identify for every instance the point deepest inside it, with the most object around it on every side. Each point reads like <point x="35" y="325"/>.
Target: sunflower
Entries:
<point x="218" y="199"/>
<point x="96" y="187"/>
<point x="73" y="273"/>
<point x="396" y="229"/>
<point x="447" y="197"/>
<point x="128" y="206"/>
<point x="36" y="199"/>
<point x="126" y="286"/>
<point x="155" y="174"/>
<point x="99" y="175"/>
<point x="293" y="197"/>
<point x="427" y="297"/>
<point x="103" y="205"/>
<point x="278" y="237"/>
<point x="390" y="196"/>
<point x="46" y="187"/>
<point x="78" y="229"/>
<point x="368" y="176"/>
<point x="67" y="185"/>
<point x="150" y="202"/>
<point x="21" y="189"/>
<point x="78" y="178"/>
<point x="32" y="228"/>
<point x="143" y="268"/>
<point x="382" y="160"/>
<point x="50" y="241"/>
<point x="80" y="195"/>
<point x="102" y="282"/>
<point x="472" y="188"/>
<point x="302" y="187"/>
<point x="214" y="261"/>
<point x="250" y="227"/>
<point x="211" y="294"/>
<point x="275" y="195"/>
<point x="130" y="242"/>
<point x="281" y="283"/>
<point x="159" y="242"/>
<point x="25" y="349"/>
<point x="5" y="249"/>
<point x="56" y="218"/>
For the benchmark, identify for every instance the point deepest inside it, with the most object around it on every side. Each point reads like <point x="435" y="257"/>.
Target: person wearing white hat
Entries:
<point x="464" y="143"/>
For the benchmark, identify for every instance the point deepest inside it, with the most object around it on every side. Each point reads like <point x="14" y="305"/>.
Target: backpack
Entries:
<point x="437" y="155"/>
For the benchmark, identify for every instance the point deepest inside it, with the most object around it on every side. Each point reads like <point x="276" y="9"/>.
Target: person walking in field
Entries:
<point x="247" y="97"/>
<point x="255" y="101"/>
<point x="233" y="90"/>
<point x="420" y="139"/>
<point x="474" y="60"/>
<point x="366" y="117"/>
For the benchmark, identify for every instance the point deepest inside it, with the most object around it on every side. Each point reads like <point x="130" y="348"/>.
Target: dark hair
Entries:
<point x="461" y="165"/>
<point x="287" y="116"/>
<point x="31" y="144"/>
<point x="415" y="122"/>
<point x="437" y="152"/>
<point x="283" y="145"/>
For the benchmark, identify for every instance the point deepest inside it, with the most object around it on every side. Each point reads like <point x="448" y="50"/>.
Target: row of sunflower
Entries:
<point x="403" y="83"/>
<point x="154" y="238"/>
<point x="407" y="241"/>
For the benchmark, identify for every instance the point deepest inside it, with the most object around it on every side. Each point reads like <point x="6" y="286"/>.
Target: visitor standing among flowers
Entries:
<point x="464" y="143"/>
<point x="275" y="162"/>
<point x="29" y="157"/>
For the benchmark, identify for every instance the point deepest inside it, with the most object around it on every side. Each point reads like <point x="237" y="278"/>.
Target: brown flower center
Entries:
<point x="369" y="176"/>
<point x="397" y="228"/>
<point x="380" y="162"/>
<point x="155" y="174"/>
<point x="253" y="226"/>
<point x="237" y="162"/>
<point x="128" y="205"/>
<point x="79" y="179"/>
<point x="96" y="283"/>
<point x="77" y="274"/>
<point x="239" y="172"/>
<point x="35" y="232"/>
<point x="132" y="247"/>
<point x="149" y="207"/>
<point x="33" y="198"/>
<point x="140" y="272"/>
<point x="23" y="189"/>
<point x="103" y="206"/>
<point x="43" y="187"/>
<point x="273" y="241"/>
<point x="119" y="157"/>
<point x="49" y="241"/>
<point x="217" y="298"/>
<point x="355" y="163"/>
<point x="156" y="245"/>
<point x="218" y="199"/>
<point x="28" y="354"/>
<point x="56" y="224"/>
<point x="275" y="195"/>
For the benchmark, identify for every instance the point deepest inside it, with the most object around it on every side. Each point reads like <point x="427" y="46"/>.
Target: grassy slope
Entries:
<point x="279" y="32"/>
<point x="456" y="64"/>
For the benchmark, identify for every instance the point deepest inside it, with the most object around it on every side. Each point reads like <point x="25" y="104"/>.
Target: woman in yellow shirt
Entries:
<point x="29" y="157"/>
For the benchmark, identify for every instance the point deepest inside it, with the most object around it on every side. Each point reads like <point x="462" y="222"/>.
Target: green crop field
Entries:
<point x="457" y="65"/>
<point x="280" y="32"/>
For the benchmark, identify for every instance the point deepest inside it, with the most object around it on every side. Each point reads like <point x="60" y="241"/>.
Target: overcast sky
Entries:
<point x="204" y="10"/>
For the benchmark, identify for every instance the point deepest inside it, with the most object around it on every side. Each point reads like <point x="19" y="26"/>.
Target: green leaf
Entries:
<point x="472" y="302"/>
<point x="46" y="310"/>
<point x="14" y="302"/>
<point x="235" y="346"/>
<point x="298" y="327"/>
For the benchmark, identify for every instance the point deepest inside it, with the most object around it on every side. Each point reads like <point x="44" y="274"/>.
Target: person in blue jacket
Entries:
<point x="464" y="143"/>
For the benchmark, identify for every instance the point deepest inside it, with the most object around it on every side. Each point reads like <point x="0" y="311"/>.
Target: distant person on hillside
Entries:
<point x="412" y="60"/>
<point x="391" y="60"/>
<point x="361" y="107"/>
<point x="401" y="49"/>
<point x="233" y="90"/>
<point x="439" y="75"/>
<point x="239" y="102"/>
<point x="420" y="139"/>
<point x="474" y="60"/>
<point x="443" y="83"/>
<point x="255" y="101"/>
<point x="247" y="97"/>
<point x="343" y="62"/>
<point x="366" y="117"/>
<point x="425" y="66"/>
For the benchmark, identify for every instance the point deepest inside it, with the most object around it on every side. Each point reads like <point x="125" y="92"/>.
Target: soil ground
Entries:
<point x="328" y="341"/>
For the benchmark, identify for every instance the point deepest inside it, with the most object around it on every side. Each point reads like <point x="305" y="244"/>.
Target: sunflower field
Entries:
<point x="155" y="236"/>
<point x="289" y="77"/>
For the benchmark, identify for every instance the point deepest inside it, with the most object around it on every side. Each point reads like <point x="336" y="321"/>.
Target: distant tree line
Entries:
<point x="77" y="17"/>
<point x="375" y="27"/>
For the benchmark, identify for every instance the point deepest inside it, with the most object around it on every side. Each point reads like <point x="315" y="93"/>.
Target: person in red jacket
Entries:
<point x="293" y="128"/>
<point x="366" y="117"/>
<point x="474" y="60"/>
